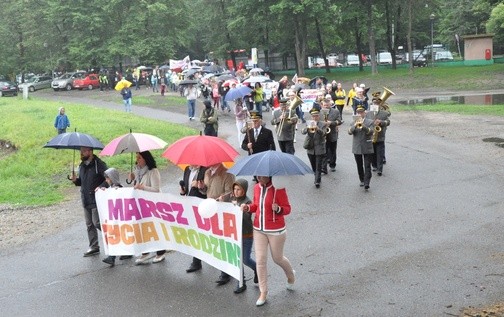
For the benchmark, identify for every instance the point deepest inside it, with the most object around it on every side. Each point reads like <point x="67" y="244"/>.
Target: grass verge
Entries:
<point x="33" y="175"/>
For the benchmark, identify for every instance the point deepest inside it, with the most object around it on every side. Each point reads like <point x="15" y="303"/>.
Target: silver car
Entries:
<point x="66" y="81"/>
<point x="36" y="83"/>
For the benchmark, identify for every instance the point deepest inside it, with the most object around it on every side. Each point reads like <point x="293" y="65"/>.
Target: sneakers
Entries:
<point x="143" y="258"/>
<point x="158" y="258"/>
<point x="91" y="252"/>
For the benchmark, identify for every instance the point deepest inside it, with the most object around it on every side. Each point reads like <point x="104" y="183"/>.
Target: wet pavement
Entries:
<point x="426" y="240"/>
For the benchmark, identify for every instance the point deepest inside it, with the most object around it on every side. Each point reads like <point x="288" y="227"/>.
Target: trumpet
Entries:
<point x="359" y="123"/>
<point x="312" y="126"/>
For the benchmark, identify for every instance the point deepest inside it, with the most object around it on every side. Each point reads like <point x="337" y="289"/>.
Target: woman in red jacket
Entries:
<point x="270" y="205"/>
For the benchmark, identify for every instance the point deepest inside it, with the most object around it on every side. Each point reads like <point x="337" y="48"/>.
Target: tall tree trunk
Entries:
<point x="300" y="44"/>
<point x="321" y="45"/>
<point x="408" y="36"/>
<point x="228" y="36"/>
<point x="358" y="43"/>
<point x="371" y="36"/>
<point x="390" y="34"/>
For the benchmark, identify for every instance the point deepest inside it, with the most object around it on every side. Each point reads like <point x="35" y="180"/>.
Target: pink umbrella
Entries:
<point x="132" y="143"/>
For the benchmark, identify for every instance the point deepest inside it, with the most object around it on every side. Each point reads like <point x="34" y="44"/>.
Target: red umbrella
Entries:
<point x="200" y="150"/>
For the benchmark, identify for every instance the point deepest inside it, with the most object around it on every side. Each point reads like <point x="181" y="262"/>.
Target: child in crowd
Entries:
<point x="61" y="123"/>
<point x="113" y="180"/>
<point x="239" y="197"/>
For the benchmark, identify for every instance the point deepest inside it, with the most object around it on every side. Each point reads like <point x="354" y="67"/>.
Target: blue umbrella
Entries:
<point x="270" y="163"/>
<point x="237" y="93"/>
<point x="73" y="140"/>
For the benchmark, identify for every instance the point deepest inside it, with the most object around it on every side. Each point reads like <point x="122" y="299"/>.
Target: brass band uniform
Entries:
<point x="381" y="122"/>
<point x="285" y="121"/>
<point x="315" y="143"/>
<point x="362" y="146"/>
<point x="332" y="119"/>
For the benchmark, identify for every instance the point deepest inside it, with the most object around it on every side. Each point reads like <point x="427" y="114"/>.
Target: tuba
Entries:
<point x="384" y="96"/>
<point x="293" y="104"/>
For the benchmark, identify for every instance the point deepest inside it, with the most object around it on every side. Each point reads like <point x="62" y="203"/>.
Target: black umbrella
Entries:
<point x="212" y="69"/>
<point x="74" y="140"/>
<point x="225" y="77"/>
<point x="314" y="80"/>
<point x="188" y="82"/>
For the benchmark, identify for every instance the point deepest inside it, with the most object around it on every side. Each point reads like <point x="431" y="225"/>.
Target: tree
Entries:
<point x="495" y="25"/>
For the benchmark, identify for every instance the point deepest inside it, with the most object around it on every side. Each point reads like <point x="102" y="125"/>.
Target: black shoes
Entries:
<point x="223" y="279"/>
<point x="366" y="187"/>
<point x="361" y="184"/>
<point x="317" y="185"/>
<point x="125" y="257"/>
<point x="110" y="260"/>
<point x="239" y="290"/>
<point x="91" y="252"/>
<point x="193" y="268"/>
<point x="379" y="173"/>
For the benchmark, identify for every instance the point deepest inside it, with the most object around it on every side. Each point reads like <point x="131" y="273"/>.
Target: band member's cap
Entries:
<point x="360" y="109"/>
<point x="254" y="115"/>
<point x="284" y="100"/>
<point x="315" y="109"/>
<point x="328" y="97"/>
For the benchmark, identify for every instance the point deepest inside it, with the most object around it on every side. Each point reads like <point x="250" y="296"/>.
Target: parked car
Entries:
<point x="384" y="58"/>
<point x="36" y="83"/>
<point x="66" y="80"/>
<point x="90" y="81"/>
<point x="419" y="59"/>
<point x="352" y="60"/>
<point x="8" y="88"/>
<point x="442" y="56"/>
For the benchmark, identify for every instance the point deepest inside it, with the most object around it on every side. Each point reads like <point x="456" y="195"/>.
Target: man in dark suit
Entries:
<point x="193" y="185"/>
<point x="258" y="138"/>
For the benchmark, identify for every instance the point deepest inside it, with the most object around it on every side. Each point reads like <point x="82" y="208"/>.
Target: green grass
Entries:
<point x="34" y="175"/>
<point x="456" y="78"/>
<point x="488" y="110"/>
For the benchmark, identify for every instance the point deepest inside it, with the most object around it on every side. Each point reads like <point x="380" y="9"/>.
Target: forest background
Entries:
<point x="43" y="35"/>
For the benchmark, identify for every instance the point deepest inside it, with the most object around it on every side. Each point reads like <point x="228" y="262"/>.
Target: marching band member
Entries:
<point x="362" y="147"/>
<point x="331" y="118"/>
<point x="315" y="143"/>
<point x="381" y="114"/>
<point x="258" y="138"/>
<point x="285" y="122"/>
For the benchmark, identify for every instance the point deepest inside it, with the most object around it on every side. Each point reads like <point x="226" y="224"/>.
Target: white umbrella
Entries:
<point x="256" y="70"/>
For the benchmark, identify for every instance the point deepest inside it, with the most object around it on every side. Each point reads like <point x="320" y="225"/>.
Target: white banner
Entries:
<point x="135" y="221"/>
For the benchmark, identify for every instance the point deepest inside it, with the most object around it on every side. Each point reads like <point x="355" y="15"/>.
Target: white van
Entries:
<point x="384" y="58"/>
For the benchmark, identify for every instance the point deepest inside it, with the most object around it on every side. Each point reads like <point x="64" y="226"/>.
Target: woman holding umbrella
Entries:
<point x="146" y="177"/>
<point x="270" y="205"/>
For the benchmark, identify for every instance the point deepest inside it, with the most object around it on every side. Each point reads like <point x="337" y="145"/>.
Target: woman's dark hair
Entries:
<point x="257" y="84"/>
<point x="149" y="159"/>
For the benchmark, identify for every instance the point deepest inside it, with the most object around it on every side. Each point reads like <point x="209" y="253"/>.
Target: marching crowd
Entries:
<point x="264" y="226"/>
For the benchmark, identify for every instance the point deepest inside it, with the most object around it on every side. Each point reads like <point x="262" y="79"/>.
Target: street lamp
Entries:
<point x="432" y="16"/>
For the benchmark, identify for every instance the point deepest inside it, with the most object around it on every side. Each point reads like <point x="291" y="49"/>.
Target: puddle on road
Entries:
<point x="498" y="141"/>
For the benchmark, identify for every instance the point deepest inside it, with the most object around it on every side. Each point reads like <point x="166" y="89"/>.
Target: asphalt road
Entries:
<point x="424" y="241"/>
